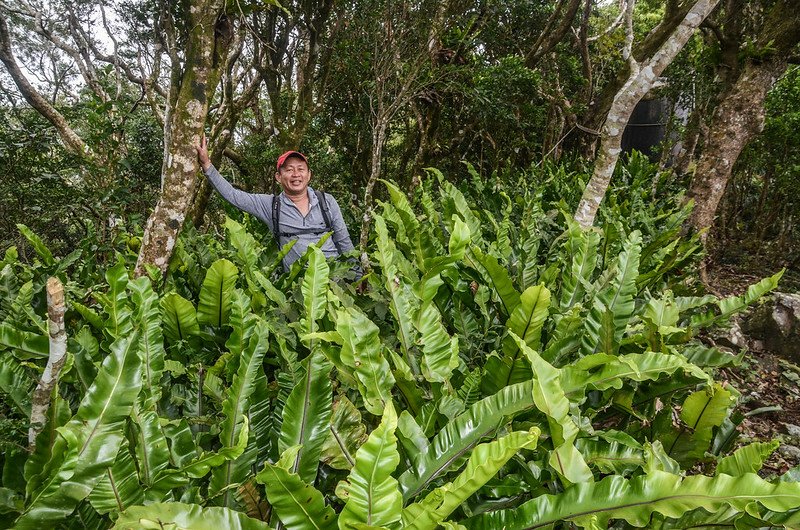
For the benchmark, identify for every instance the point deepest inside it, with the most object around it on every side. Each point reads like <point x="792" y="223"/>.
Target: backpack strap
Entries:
<point x="326" y="216"/>
<point x="276" y="219"/>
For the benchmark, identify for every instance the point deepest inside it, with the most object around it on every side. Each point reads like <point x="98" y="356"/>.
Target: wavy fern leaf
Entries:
<point x="177" y="515"/>
<point x="234" y="410"/>
<point x="362" y="352"/>
<point x="216" y="292"/>
<point x="371" y="493"/>
<point x="460" y="436"/>
<point x="88" y="444"/>
<point x="146" y="319"/>
<point x="485" y="461"/>
<point x="618" y="298"/>
<point x="306" y="416"/>
<point x="298" y="504"/>
<point x="119" y="488"/>
<point x="635" y="500"/>
<point x="180" y="318"/>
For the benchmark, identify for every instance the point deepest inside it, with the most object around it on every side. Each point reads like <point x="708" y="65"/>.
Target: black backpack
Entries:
<point x="276" y="218"/>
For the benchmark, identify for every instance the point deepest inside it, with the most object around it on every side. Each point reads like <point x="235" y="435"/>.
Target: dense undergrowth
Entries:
<point x="504" y="369"/>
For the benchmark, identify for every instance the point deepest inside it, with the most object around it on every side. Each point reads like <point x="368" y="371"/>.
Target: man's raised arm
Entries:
<point x="256" y="204"/>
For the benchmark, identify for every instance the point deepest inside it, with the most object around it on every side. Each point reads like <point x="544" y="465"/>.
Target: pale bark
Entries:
<point x="55" y="361"/>
<point x="205" y="55"/>
<point x="599" y="104"/>
<point x="639" y="83"/>
<point x="71" y="140"/>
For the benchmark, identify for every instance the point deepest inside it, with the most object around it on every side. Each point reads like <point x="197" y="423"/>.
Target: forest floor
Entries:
<point x="771" y="402"/>
<point x="768" y="382"/>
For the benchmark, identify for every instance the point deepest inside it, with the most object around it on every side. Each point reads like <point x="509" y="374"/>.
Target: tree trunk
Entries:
<point x="429" y="124"/>
<point x="639" y="83"/>
<point x="55" y="361"/>
<point x="740" y="114"/>
<point x="736" y="121"/>
<point x="600" y="104"/>
<point x="205" y="54"/>
<point x="556" y="28"/>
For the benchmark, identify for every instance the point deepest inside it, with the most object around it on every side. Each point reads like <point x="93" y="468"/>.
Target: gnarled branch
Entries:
<point x="71" y="140"/>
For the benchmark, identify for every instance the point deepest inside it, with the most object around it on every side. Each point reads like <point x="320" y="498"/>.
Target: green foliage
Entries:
<point x="87" y="445"/>
<point x="503" y="367"/>
<point x="485" y="461"/>
<point x="297" y="504"/>
<point x="592" y="505"/>
<point x="180" y="515"/>
<point x="72" y="205"/>
<point x="371" y="493"/>
<point x="215" y="296"/>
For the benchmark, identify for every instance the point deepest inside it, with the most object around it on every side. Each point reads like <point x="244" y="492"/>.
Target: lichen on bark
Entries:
<point x="635" y="88"/>
<point x="193" y="90"/>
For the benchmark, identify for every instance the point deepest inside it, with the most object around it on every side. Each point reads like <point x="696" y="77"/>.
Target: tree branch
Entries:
<point x="551" y="36"/>
<point x="623" y="6"/>
<point x="71" y="140"/>
<point x="639" y="82"/>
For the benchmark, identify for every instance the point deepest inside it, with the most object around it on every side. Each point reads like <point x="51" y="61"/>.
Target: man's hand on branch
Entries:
<point x="202" y="153"/>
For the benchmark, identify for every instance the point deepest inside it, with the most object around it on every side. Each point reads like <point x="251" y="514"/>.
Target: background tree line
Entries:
<point x="103" y="102"/>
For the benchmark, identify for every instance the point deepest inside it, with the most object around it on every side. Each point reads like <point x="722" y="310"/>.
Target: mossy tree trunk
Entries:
<point x="739" y="116"/>
<point x="208" y="36"/>
<point x="736" y="121"/>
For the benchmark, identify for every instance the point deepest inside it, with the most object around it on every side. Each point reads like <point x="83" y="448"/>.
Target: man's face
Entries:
<point x="293" y="176"/>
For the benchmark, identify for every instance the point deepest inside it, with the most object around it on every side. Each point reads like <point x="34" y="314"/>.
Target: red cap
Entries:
<point x="287" y="154"/>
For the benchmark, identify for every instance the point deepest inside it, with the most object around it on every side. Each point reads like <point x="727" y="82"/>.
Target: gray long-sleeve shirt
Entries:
<point x="307" y="229"/>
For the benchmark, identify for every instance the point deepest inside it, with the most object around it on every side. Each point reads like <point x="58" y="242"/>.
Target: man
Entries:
<point x="300" y="212"/>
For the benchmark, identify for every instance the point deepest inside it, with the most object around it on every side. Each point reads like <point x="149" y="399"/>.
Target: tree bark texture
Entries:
<point x="556" y="28"/>
<point x="739" y="117"/>
<point x="206" y="49"/>
<point x="56" y="308"/>
<point x="736" y="121"/>
<point x="227" y="118"/>
<point x="299" y="46"/>
<point x="639" y="83"/>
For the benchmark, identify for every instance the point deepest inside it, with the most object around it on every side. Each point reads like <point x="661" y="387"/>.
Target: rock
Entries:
<point x="790" y="452"/>
<point x="777" y="325"/>
<point x="792" y="430"/>
<point x="730" y="338"/>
